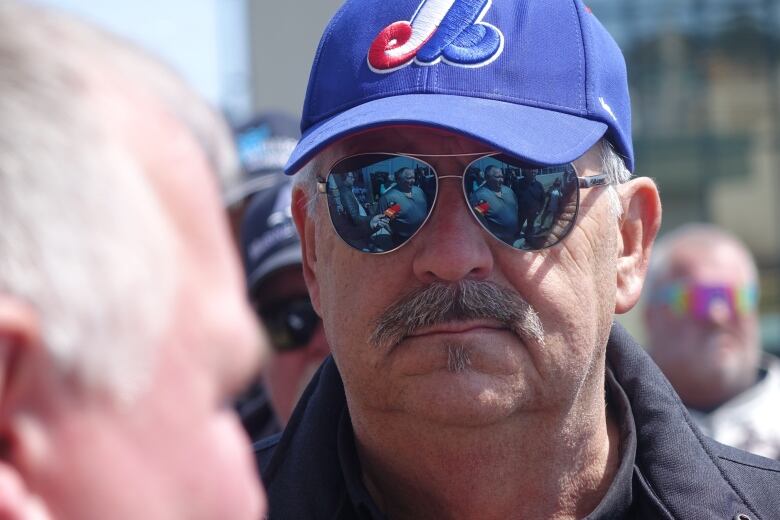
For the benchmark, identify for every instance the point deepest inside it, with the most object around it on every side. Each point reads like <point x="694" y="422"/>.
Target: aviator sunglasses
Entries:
<point x="696" y="300"/>
<point x="378" y="201"/>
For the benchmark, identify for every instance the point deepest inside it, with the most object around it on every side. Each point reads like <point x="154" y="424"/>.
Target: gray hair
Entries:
<point x="612" y="164"/>
<point x="614" y="167"/>
<point x="80" y="225"/>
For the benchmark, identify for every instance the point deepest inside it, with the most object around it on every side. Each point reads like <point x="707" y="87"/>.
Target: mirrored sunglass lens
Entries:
<point x="525" y="207"/>
<point x="378" y="201"/>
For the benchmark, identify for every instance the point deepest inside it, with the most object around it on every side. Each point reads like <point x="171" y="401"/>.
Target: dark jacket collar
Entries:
<point x="674" y="459"/>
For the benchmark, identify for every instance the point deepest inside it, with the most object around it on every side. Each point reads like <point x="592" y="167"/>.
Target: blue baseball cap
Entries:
<point x="264" y="145"/>
<point x="541" y="80"/>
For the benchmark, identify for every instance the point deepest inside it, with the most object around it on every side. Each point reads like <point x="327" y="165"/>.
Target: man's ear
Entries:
<point x="19" y="338"/>
<point x="638" y="227"/>
<point x="305" y="225"/>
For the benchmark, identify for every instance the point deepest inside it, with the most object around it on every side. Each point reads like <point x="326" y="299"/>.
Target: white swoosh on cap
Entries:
<point x="424" y="23"/>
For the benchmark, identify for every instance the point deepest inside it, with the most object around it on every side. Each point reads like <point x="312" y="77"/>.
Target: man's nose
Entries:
<point x="717" y="312"/>
<point x="452" y="245"/>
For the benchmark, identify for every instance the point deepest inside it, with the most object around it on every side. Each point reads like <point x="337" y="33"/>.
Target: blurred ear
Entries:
<point x="19" y="338"/>
<point x="637" y="230"/>
<point x="306" y="230"/>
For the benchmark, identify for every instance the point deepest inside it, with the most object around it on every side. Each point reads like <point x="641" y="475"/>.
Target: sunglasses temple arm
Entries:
<point x="596" y="180"/>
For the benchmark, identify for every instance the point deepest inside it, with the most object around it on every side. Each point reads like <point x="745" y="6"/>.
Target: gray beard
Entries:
<point x="458" y="359"/>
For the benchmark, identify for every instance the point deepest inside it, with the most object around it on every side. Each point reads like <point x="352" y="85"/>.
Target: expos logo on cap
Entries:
<point x="451" y="31"/>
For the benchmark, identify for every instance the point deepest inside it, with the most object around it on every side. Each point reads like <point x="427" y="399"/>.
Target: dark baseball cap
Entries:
<point x="264" y="145"/>
<point x="269" y="240"/>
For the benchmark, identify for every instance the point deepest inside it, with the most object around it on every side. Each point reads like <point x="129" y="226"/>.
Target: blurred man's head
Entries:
<point x="124" y="330"/>
<point x="701" y="314"/>
<point x="272" y="257"/>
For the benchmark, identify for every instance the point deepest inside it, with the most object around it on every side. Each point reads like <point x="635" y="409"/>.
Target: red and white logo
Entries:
<point x="451" y="31"/>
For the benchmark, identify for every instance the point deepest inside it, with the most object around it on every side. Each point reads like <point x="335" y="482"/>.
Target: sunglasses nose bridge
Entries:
<point x="453" y="185"/>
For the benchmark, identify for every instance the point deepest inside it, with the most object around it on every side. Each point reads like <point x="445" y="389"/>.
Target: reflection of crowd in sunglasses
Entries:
<point x="517" y="206"/>
<point x="400" y="206"/>
<point x="378" y="210"/>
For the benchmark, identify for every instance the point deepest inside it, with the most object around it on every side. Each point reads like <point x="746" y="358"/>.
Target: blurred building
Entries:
<point x="705" y="87"/>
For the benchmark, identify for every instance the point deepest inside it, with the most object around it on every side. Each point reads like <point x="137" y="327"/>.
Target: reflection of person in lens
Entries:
<point x="554" y="196"/>
<point x="350" y="202"/>
<point x="531" y="198"/>
<point x="355" y="224"/>
<point x="404" y="206"/>
<point x="497" y="205"/>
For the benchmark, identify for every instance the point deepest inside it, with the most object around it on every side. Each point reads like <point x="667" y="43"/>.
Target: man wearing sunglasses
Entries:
<point x="271" y="252"/>
<point x="476" y="372"/>
<point x="701" y="314"/>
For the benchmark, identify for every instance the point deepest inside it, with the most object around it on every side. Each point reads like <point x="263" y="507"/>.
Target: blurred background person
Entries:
<point x="124" y="327"/>
<point x="259" y="208"/>
<point x="703" y="331"/>
<point x="271" y="250"/>
<point x="264" y="144"/>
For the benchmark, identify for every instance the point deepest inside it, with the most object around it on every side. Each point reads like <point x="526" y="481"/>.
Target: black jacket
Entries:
<point x="677" y="472"/>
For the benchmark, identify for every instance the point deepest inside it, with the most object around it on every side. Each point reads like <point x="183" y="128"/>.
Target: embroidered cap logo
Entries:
<point x="440" y="30"/>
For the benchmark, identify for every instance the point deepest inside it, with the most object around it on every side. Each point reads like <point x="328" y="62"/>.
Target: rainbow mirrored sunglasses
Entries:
<point x="697" y="300"/>
<point x="378" y="201"/>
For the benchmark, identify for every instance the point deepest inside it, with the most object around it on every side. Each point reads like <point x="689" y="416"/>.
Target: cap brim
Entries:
<point x="288" y="256"/>
<point x="538" y="135"/>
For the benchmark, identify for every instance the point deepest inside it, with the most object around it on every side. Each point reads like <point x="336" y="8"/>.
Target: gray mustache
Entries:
<point x="440" y="303"/>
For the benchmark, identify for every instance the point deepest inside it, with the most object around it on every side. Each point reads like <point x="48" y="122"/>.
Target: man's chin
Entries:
<point x="466" y="397"/>
<point x="488" y="352"/>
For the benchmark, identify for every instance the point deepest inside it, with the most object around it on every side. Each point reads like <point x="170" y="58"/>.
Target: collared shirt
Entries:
<point x="615" y="504"/>
<point x="749" y="421"/>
